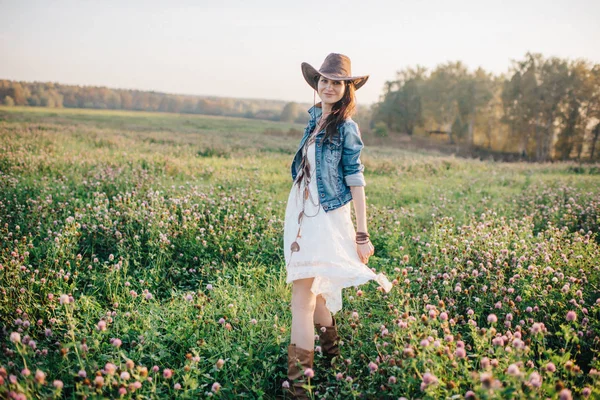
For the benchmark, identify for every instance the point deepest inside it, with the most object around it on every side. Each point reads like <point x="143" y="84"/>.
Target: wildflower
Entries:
<point x="209" y="287"/>
<point x="189" y="297"/>
<point x="537" y="328"/>
<point x="339" y="376"/>
<point x="177" y="386"/>
<point x="486" y="379"/>
<point x="82" y="373"/>
<point x="220" y="363"/>
<point x="373" y="367"/>
<point x="222" y="321"/>
<point x="492" y="318"/>
<point x="444" y="316"/>
<point x="285" y="385"/>
<point x="215" y="387"/>
<point x="125" y="375"/>
<point x="25" y="372"/>
<point x="535" y="379"/>
<point x="550" y="367"/>
<point x="309" y="372"/>
<point x="253" y="321"/>
<point x="101" y="325"/>
<point x="392" y="380"/>
<point x="130" y="364"/>
<point x="148" y="296"/>
<point x="167" y="373"/>
<point x="470" y="395"/>
<point x="518" y="344"/>
<point x="586" y="392"/>
<point x="110" y="368"/>
<point x="428" y="380"/>
<point x="117" y="343"/>
<point x="460" y="352"/>
<point x="57" y="384"/>
<point x="15" y="337"/>
<point x="485" y="363"/>
<point x="40" y="377"/>
<point x="565" y="394"/>
<point x="99" y="381"/>
<point x="571" y="316"/>
<point x="513" y="369"/>
<point x="122" y="391"/>
<point x="64" y="299"/>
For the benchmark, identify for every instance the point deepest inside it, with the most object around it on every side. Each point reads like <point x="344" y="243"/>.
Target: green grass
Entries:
<point x="167" y="230"/>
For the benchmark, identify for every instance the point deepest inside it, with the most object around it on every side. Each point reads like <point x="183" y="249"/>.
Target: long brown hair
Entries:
<point x="340" y="111"/>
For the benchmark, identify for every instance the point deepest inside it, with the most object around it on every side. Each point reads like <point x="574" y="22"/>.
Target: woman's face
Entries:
<point x="330" y="91"/>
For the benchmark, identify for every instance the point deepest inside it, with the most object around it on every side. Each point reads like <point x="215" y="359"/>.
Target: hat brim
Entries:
<point x="311" y="74"/>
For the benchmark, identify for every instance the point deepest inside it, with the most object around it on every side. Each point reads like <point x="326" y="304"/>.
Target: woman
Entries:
<point x="323" y="252"/>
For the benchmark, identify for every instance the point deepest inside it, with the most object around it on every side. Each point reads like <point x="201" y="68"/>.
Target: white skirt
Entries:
<point x="327" y="245"/>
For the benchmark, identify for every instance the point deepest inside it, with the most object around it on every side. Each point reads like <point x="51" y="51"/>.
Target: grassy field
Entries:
<point x="141" y="256"/>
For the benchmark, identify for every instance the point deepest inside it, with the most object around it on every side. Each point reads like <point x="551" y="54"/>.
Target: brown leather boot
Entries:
<point x="299" y="360"/>
<point x="329" y="340"/>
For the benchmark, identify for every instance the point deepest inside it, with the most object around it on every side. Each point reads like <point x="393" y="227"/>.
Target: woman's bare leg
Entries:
<point x="322" y="315"/>
<point x="303" y="308"/>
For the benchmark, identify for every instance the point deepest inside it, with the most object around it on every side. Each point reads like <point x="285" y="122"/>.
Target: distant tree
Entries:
<point x="290" y="112"/>
<point x="520" y="97"/>
<point x="8" y="101"/>
<point x="401" y="106"/>
<point x="593" y="110"/>
<point x="573" y="113"/>
<point x="473" y="93"/>
<point x="440" y="98"/>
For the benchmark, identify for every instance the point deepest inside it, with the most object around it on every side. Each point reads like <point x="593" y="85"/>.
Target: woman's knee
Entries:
<point x="303" y="299"/>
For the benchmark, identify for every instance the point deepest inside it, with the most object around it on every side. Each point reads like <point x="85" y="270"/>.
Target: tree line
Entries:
<point x="543" y="108"/>
<point x="48" y="94"/>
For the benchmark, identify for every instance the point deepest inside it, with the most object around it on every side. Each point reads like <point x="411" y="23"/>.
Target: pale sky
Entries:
<point x="254" y="48"/>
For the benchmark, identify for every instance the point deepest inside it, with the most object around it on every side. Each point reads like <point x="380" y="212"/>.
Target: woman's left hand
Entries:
<point x="365" y="251"/>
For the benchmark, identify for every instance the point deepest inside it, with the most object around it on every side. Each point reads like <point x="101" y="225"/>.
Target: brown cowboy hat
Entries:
<point x="335" y="67"/>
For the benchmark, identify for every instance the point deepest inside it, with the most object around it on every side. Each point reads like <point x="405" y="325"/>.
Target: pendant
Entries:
<point x="306" y="193"/>
<point x="300" y="216"/>
<point x="295" y="247"/>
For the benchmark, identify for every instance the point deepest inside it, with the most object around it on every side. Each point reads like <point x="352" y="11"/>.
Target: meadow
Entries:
<point x="141" y="257"/>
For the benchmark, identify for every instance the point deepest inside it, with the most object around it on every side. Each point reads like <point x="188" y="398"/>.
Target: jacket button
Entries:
<point x="322" y="194"/>
<point x="325" y="207"/>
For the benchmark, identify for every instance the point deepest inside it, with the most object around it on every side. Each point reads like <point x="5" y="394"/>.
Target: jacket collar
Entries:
<point x="315" y="111"/>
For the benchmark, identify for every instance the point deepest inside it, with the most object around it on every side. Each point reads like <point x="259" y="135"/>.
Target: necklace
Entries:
<point x="305" y="177"/>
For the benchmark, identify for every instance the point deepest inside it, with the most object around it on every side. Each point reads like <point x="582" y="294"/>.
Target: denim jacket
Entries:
<point x="338" y="162"/>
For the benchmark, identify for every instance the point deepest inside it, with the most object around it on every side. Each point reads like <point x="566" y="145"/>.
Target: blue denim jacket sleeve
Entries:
<point x="352" y="167"/>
